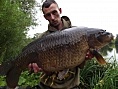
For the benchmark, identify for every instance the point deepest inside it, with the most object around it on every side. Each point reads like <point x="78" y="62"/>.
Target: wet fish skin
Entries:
<point x="57" y="51"/>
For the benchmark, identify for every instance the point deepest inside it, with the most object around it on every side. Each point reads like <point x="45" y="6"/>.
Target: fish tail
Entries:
<point x="5" y="68"/>
<point x="11" y="72"/>
<point x="12" y="77"/>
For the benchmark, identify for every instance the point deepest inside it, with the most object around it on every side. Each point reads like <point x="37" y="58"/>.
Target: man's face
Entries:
<point x="52" y="14"/>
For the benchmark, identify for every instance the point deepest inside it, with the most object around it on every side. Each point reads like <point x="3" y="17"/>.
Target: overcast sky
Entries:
<point x="89" y="13"/>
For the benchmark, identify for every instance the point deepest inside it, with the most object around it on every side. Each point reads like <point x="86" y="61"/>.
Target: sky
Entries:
<point x="88" y="13"/>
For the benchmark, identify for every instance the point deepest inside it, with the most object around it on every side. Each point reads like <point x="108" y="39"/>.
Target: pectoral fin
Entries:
<point x="99" y="57"/>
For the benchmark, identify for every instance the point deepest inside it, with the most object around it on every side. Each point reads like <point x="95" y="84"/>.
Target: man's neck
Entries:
<point x="60" y="26"/>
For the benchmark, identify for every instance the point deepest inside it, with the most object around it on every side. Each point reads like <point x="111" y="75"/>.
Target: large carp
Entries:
<point x="57" y="51"/>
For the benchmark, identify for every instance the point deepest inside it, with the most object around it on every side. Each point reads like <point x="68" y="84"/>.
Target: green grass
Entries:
<point x="95" y="76"/>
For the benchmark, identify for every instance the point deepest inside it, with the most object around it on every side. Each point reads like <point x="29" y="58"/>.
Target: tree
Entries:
<point x="116" y="43"/>
<point x="16" y="16"/>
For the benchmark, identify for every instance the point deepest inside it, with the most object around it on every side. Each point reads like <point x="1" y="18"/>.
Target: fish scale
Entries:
<point x="57" y="51"/>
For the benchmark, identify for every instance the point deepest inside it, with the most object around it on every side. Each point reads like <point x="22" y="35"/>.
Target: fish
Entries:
<point x="57" y="51"/>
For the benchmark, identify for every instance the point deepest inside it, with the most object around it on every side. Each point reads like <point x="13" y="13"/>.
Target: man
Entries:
<point x="69" y="78"/>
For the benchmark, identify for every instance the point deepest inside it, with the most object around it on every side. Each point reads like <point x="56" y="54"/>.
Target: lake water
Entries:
<point x="112" y="56"/>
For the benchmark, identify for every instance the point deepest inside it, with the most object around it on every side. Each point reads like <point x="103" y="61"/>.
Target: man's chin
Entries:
<point x="55" y="25"/>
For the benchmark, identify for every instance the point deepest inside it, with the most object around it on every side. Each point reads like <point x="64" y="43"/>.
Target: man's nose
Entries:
<point x="52" y="16"/>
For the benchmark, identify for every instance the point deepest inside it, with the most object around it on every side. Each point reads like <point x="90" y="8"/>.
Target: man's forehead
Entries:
<point x="51" y="8"/>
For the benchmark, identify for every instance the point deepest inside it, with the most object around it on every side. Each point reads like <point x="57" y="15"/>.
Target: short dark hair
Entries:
<point x="47" y="3"/>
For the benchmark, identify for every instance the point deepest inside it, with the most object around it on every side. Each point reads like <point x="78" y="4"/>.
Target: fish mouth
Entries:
<point x="105" y="37"/>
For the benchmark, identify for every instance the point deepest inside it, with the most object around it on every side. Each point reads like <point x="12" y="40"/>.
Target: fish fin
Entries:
<point x="12" y="77"/>
<point x="99" y="58"/>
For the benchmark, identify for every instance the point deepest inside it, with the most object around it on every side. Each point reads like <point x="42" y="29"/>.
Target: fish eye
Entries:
<point x="101" y="32"/>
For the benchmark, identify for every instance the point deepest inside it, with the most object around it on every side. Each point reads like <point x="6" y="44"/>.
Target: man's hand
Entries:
<point x="89" y="55"/>
<point x="34" y="67"/>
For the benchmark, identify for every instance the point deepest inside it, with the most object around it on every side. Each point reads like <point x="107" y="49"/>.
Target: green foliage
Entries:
<point x="95" y="76"/>
<point x="16" y="16"/>
<point x="2" y="81"/>
<point x="91" y="73"/>
<point x="27" y="79"/>
<point x="110" y="80"/>
<point x="15" y="21"/>
<point x="116" y="41"/>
